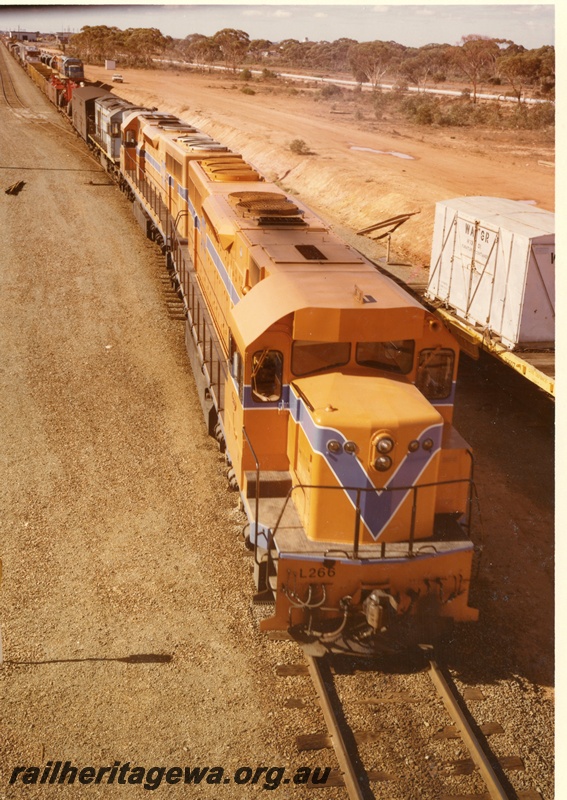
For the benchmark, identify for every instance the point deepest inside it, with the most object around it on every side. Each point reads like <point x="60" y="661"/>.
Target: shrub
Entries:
<point x="456" y="114"/>
<point x="299" y="147"/>
<point x="381" y="99"/>
<point x="543" y="115"/>
<point x="533" y="117"/>
<point x="330" y="90"/>
<point x="245" y="75"/>
<point x="547" y="87"/>
<point x="247" y="90"/>
<point x="421" y="110"/>
<point x="424" y="115"/>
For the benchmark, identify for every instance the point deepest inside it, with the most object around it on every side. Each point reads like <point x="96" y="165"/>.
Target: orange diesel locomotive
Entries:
<point x="329" y="388"/>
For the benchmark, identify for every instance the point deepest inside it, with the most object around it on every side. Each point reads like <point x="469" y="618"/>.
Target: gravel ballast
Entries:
<point x="125" y="609"/>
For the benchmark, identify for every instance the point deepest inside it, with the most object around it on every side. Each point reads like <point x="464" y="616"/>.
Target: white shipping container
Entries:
<point x="493" y="263"/>
<point x="108" y="64"/>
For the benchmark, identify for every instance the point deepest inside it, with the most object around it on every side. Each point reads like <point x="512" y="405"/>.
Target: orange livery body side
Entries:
<point x="329" y="388"/>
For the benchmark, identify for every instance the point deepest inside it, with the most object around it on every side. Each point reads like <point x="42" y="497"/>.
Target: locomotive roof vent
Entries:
<point x="229" y="161"/>
<point x="268" y="208"/>
<point x="163" y="117"/>
<point x="213" y="146"/>
<point x="310" y="252"/>
<point x="171" y="126"/>
<point x="281" y="221"/>
<point x="182" y="127"/>
<point x="192" y="141"/>
<point x="230" y="169"/>
<point x="197" y="137"/>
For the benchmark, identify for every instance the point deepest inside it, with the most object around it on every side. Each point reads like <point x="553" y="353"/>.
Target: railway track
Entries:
<point x="361" y="748"/>
<point x="9" y="96"/>
<point x="413" y="727"/>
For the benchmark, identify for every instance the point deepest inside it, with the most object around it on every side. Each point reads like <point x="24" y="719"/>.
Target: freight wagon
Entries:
<point x="492" y="279"/>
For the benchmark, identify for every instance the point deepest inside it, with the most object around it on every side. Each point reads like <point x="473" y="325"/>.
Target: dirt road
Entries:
<point x="124" y="602"/>
<point x="352" y="187"/>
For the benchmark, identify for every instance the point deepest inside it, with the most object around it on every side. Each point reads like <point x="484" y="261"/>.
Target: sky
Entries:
<point x="531" y="25"/>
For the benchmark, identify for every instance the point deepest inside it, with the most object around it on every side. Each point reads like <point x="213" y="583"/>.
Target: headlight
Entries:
<point x="333" y="446"/>
<point x="384" y="445"/>
<point x="383" y="463"/>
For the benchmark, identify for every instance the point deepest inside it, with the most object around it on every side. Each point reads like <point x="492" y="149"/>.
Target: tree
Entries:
<point x="233" y="44"/>
<point x="332" y="56"/>
<point x="193" y="37"/>
<point x="476" y="57"/>
<point x="293" y="52"/>
<point x="143" y="43"/>
<point x="528" y="68"/>
<point x="417" y="66"/>
<point x="203" y="49"/>
<point x="96" y="42"/>
<point x="340" y="50"/>
<point x="518" y="70"/>
<point x="546" y="77"/>
<point x="430" y="61"/>
<point x="257" y="47"/>
<point x="373" y="60"/>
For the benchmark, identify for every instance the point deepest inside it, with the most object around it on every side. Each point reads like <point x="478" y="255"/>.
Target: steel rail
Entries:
<point x="7" y="81"/>
<point x="493" y="785"/>
<point x="350" y="774"/>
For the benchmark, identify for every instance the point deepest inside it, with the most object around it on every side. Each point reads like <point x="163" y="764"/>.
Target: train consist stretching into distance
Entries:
<point x="327" y="386"/>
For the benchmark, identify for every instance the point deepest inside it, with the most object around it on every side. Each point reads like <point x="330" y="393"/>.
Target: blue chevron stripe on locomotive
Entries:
<point x="377" y="507"/>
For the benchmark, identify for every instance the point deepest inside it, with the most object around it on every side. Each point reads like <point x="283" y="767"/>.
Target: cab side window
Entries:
<point x="266" y="377"/>
<point x="435" y="373"/>
<point x="236" y="369"/>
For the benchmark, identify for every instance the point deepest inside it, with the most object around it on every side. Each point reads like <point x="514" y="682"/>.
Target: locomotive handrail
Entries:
<point x="257" y="500"/>
<point x="359" y="490"/>
<point x="470" y="495"/>
<point x="200" y="326"/>
<point x="194" y="306"/>
<point x="302" y="395"/>
<point x="335" y="550"/>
